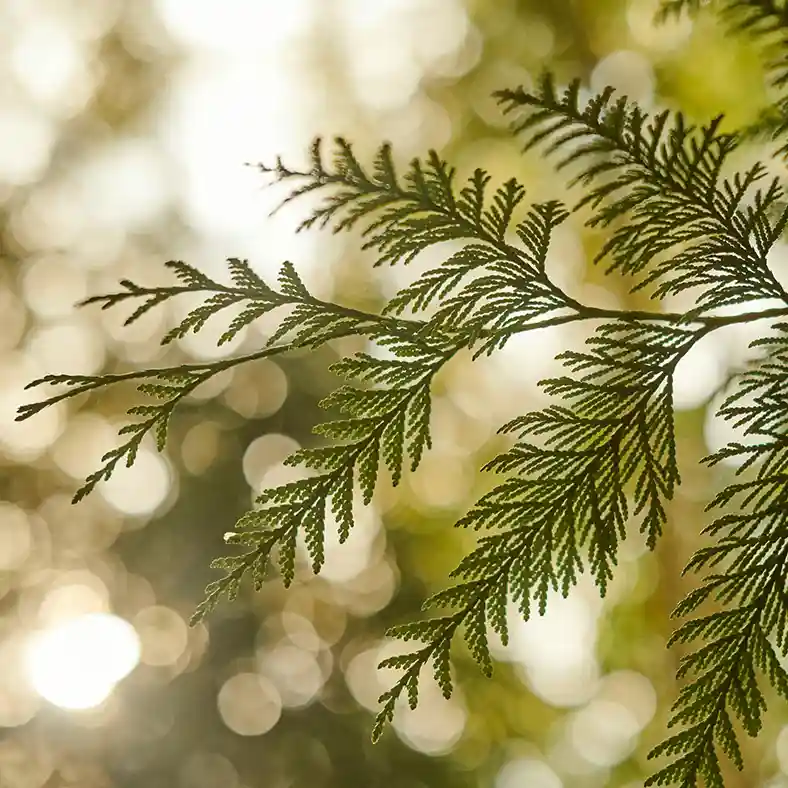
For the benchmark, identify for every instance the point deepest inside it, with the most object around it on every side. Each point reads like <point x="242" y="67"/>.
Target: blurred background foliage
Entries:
<point x="124" y="127"/>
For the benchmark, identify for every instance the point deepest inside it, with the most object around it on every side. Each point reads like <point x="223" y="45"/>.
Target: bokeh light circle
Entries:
<point x="76" y="664"/>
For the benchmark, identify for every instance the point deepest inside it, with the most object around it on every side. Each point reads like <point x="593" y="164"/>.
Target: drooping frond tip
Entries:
<point x="739" y="644"/>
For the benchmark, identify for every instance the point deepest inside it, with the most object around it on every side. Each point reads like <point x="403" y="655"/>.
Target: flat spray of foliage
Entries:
<point x="582" y="472"/>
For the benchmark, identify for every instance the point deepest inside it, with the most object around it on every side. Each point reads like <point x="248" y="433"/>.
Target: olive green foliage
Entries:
<point x="597" y="462"/>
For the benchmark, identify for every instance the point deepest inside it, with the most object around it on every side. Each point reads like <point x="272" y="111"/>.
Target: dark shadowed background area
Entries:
<point x="124" y="128"/>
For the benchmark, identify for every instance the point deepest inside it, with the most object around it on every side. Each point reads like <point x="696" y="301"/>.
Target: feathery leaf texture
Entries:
<point x="486" y="292"/>
<point x="582" y="472"/>
<point x="309" y="323"/>
<point x="687" y="226"/>
<point x="746" y="633"/>
<point x="490" y="287"/>
<point x="566" y="508"/>
<point x="387" y="424"/>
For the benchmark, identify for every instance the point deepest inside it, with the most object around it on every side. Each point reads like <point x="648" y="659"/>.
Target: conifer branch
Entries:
<point x="170" y="384"/>
<point x="664" y="177"/>
<point x="402" y="217"/>
<point x="384" y="424"/>
<point x="310" y="324"/>
<point x="601" y="458"/>
<point x="748" y="635"/>
<point x="391" y="420"/>
<point x="565" y="509"/>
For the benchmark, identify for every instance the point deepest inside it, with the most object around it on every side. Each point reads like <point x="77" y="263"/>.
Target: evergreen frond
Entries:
<point x="403" y="216"/>
<point x="566" y="507"/>
<point x="687" y="226"/>
<point x="389" y="423"/>
<point x="310" y="323"/>
<point x="168" y="385"/>
<point x="745" y="636"/>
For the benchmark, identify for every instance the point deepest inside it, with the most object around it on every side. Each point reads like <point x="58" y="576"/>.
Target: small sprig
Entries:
<point x="170" y="385"/>
<point x="745" y="635"/>
<point x="686" y="227"/>
<point x="310" y="323"/>
<point x="385" y="424"/>
<point x="565" y="508"/>
<point x="401" y="217"/>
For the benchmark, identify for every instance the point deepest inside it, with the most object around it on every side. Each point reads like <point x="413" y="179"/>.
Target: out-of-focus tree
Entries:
<point x="124" y="130"/>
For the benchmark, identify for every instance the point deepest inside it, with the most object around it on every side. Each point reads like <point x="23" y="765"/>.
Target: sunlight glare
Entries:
<point x="235" y="24"/>
<point x="699" y="373"/>
<point x="77" y="664"/>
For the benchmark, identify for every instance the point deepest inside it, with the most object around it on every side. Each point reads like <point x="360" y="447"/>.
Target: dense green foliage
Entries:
<point x="585" y="470"/>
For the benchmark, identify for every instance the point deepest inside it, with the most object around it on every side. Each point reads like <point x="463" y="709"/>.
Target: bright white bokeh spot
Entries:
<point x="249" y="704"/>
<point x="26" y="139"/>
<point x="260" y="394"/>
<point x="633" y="691"/>
<point x="50" y="64"/>
<point x="555" y="652"/>
<point x="364" y="679"/>
<point x="70" y="346"/>
<point x="604" y="732"/>
<point x="124" y="184"/>
<point x="141" y="489"/>
<point x="265" y="452"/>
<point x="52" y="286"/>
<point x="235" y="25"/>
<point x="210" y="128"/>
<point x="295" y="673"/>
<point x="301" y="632"/>
<point x="528" y="772"/>
<point x="435" y="725"/>
<point x="529" y="357"/>
<point x="396" y="43"/>
<point x="78" y="450"/>
<point x="628" y="72"/>
<point x="699" y="374"/>
<point x="77" y="664"/>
